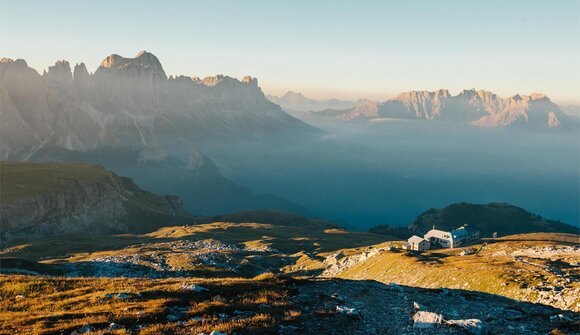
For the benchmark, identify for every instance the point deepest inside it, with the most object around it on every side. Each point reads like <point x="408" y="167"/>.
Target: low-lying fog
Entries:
<point x="388" y="172"/>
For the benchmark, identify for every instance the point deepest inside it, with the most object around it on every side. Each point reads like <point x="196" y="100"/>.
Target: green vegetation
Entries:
<point x="24" y="180"/>
<point x="502" y="218"/>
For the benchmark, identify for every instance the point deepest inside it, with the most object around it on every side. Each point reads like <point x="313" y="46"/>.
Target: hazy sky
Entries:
<point x="351" y="49"/>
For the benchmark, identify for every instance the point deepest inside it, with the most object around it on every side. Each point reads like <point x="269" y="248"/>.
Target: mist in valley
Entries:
<point x="362" y="174"/>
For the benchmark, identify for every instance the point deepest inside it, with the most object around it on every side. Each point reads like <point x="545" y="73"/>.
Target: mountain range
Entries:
<point x="129" y="102"/>
<point x="131" y="117"/>
<point x="474" y="107"/>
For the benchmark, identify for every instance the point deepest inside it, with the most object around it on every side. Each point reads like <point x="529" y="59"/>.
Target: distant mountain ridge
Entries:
<point x="295" y="101"/>
<point x="129" y="102"/>
<point x="478" y="108"/>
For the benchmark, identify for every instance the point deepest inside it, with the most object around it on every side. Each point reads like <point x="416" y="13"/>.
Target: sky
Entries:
<point x="324" y="49"/>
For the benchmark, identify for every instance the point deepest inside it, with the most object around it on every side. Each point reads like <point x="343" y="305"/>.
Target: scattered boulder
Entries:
<point x="193" y="287"/>
<point x="423" y="319"/>
<point x="348" y="311"/>
<point x="467" y="251"/>
<point x="471" y="326"/>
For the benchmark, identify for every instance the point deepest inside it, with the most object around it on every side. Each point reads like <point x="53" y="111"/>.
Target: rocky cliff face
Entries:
<point x="478" y="108"/>
<point x="44" y="199"/>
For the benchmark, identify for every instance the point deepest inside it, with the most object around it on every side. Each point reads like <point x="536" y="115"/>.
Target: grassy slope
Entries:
<point x="24" y="180"/>
<point x="490" y="271"/>
<point x="63" y="305"/>
<point x="285" y="240"/>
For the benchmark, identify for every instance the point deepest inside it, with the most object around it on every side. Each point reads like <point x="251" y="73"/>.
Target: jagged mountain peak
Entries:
<point x="539" y="96"/>
<point x="80" y="70"/>
<point x="250" y="80"/>
<point x="112" y="60"/>
<point x="144" y="53"/>
<point x="214" y="80"/>
<point x="61" y="66"/>
<point x="441" y="93"/>
<point x="59" y="75"/>
<point x="220" y="79"/>
<point x="143" y="61"/>
<point x="21" y="63"/>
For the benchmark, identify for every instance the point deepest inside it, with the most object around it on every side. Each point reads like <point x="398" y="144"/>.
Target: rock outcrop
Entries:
<point x="45" y="199"/>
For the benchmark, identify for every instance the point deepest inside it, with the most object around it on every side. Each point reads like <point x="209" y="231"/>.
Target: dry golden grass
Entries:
<point x="493" y="270"/>
<point x="277" y="240"/>
<point x="52" y="305"/>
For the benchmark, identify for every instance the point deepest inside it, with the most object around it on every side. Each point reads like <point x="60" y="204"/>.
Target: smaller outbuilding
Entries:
<point x="417" y="243"/>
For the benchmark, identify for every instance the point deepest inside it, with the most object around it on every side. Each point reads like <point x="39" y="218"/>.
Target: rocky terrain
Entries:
<point x="46" y="199"/>
<point x="539" y="268"/>
<point x="262" y="305"/>
<point x="478" y="108"/>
